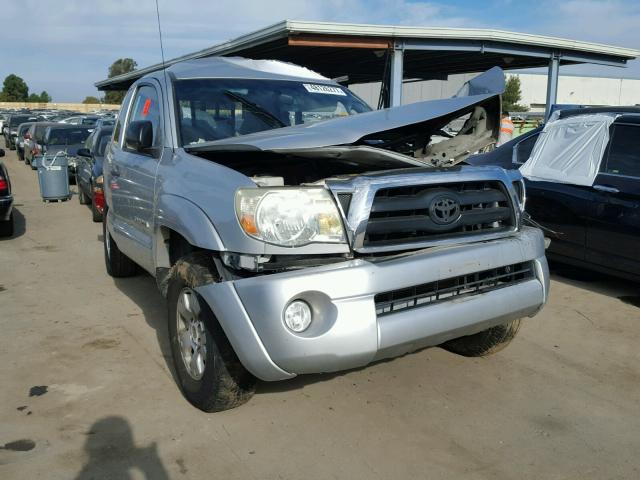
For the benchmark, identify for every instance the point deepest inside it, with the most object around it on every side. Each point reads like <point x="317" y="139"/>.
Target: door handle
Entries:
<point x="605" y="188"/>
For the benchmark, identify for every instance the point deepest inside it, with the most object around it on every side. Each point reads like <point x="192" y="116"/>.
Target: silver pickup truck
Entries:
<point x="293" y="230"/>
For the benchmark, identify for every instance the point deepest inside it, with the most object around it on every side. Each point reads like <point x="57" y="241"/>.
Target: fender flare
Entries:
<point x="189" y="220"/>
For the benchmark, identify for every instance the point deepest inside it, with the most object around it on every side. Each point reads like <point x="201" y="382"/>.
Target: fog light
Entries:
<point x="297" y="316"/>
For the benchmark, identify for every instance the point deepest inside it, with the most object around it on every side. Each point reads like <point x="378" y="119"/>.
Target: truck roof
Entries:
<point x="237" y="67"/>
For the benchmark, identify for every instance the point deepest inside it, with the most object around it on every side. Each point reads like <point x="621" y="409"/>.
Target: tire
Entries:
<point x="82" y="197"/>
<point x="96" y="216"/>
<point x="117" y="263"/>
<point x="219" y="381"/>
<point x="484" y="343"/>
<point x="6" y="227"/>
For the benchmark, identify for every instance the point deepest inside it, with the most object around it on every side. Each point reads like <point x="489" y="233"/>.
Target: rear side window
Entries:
<point x="40" y="130"/>
<point x="15" y="121"/>
<point x="102" y="145"/>
<point x="146" y="107"/>
<point x="67" y="136"/>
<point x="624" y="151"/>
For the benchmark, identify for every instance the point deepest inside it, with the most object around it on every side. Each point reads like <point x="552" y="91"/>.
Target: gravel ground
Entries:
<point x="87" y="390"/>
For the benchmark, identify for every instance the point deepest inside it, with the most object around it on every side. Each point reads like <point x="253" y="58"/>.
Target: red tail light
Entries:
<point x="98" y="197"/>
<point x="4" y="186"/>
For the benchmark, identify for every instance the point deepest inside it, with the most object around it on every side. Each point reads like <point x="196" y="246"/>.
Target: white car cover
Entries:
<point x="569" y="150"/>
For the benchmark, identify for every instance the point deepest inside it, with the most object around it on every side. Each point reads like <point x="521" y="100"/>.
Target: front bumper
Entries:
<point x="347" y="332"/>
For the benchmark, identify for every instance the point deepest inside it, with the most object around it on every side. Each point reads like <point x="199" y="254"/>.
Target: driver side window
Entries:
<point x="146" y="107"/>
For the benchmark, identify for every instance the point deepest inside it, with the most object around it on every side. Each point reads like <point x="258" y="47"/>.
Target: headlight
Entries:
<point x="289" y="217"/>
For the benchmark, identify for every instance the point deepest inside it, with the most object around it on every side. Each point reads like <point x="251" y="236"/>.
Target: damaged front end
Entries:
<point x="372" y="184"/>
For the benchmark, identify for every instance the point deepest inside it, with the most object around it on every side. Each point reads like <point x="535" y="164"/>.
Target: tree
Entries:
<point x="91" y="100"/>
<point x="45" y="97"/>
<point x="14" y="89"/>
<point x="119" y="67"/>
<point x="512" y="95"/>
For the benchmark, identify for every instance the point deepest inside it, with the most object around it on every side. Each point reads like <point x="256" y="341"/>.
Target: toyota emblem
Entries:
<point x="444" y="209"/>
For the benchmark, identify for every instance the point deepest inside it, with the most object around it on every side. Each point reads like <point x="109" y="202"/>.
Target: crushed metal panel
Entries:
<point x="404" y="120"/>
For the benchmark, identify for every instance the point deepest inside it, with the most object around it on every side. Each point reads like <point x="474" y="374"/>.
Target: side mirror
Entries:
<point x="1" y="152"/>
<point x="139" y="136"/>
<point x="83" y="152"/>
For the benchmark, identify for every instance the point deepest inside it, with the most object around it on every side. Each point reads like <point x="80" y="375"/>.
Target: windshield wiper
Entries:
<point x="255" y="108"/>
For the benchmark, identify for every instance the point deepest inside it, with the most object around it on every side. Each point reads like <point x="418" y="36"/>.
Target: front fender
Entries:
<point x="187" y="219"/>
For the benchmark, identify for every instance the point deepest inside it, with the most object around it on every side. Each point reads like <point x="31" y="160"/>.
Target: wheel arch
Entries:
<point x="179" y="216"/>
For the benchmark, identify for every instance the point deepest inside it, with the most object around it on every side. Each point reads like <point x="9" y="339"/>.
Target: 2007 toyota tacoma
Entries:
<point x="293" y="230"/>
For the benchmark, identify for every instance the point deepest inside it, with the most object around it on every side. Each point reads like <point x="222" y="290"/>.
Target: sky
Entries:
<point x="65" y="46"/>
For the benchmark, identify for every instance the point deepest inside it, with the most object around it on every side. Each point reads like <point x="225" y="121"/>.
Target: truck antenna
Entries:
<point x="160" y="33"/>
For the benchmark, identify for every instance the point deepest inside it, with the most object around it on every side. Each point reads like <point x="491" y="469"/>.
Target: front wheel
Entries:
<point x="210" y="373"/>
<point x="484" y="343"/>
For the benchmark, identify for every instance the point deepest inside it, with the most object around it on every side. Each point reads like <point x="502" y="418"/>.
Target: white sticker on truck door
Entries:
<point x="326" y="89"/>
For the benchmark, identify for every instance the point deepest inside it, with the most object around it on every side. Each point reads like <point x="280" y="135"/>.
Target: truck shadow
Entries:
<point x="19" y="225"/>
<point x="596" y="282"/>
<point x="142" y="290"/>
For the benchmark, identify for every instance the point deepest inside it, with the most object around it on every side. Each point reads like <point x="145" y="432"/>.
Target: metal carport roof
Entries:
<point x="358" y="53"/>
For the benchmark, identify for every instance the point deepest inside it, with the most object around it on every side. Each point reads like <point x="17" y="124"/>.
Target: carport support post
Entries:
<point x="397" y="73"/>
<point x="552" y="83"/>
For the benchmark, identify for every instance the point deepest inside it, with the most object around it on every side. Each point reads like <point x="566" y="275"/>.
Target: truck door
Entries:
<point x="613" y="236"/>
<point x="132" y="180"/>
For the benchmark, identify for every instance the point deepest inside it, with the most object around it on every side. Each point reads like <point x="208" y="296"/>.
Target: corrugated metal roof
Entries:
<point x="336" y="49"/>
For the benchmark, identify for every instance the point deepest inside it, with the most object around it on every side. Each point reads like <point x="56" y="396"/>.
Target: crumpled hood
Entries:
<point x="356" y="128"/>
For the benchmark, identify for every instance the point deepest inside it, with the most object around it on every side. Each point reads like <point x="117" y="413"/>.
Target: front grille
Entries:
<point x="454" y="287"/>
<point x="421" y="213"/>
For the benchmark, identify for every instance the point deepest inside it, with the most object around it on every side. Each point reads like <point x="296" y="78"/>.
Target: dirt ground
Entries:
<point x="87" y="391"/>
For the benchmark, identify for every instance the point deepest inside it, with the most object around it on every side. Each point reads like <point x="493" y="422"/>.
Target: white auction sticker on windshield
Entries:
<point x="326" y="89"/>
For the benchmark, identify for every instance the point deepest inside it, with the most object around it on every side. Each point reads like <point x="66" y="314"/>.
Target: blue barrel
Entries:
<point x="53" y="177"/>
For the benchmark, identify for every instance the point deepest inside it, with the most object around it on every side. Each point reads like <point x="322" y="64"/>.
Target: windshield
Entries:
<point x="212" y="109"/>
<point x="15" y="121"/>
<point x="67" y="136"/>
